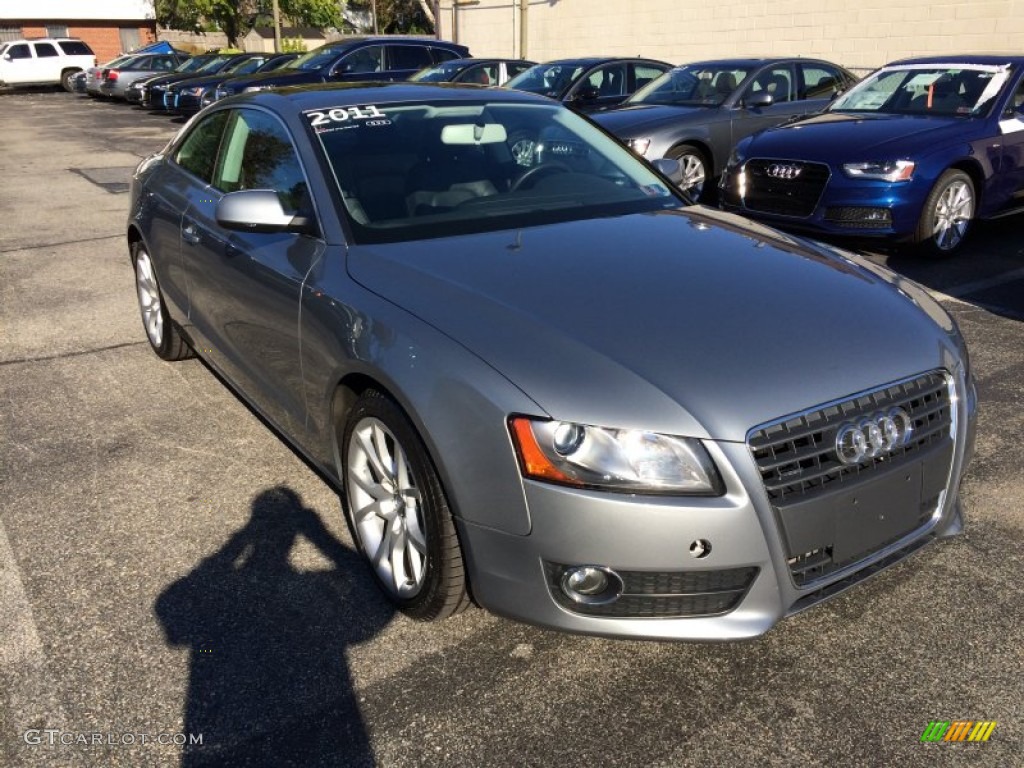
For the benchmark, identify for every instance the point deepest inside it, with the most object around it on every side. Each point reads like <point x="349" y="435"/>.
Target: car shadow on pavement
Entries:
<point x="269" y="683"/>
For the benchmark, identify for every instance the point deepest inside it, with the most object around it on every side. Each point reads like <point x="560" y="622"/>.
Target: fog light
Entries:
<point x="591" y="584"/>
<point x="856" y="216"/>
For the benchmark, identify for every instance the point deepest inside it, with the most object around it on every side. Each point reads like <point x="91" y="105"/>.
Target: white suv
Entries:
<point x="44" y="61"/>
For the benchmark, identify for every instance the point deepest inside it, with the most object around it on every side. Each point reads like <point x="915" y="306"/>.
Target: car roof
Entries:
<point x="321" y="96"/>
<point x="390" y="39"/>
<point x="599" y="60"/>
<point x="748" y="61"/>
<point x="985" y="58"/>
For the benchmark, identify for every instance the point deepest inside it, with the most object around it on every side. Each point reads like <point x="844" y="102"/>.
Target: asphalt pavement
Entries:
<point x="170" y="569"/>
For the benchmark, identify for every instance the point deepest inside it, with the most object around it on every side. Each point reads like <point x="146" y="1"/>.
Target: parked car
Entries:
<point x="94" y="74"/>
<point x="590" y="84"/>
<point x="116" y="80"/>
<point x="560" y="388"/>
<point x="697" y="112"/>
<point x="139" y="91"/>
<point x="187" y="97"/>
<point x="478" y="71"/>
<point x="43" y="61"/>
<point x="353" y="59"/>
<point x="913" y="153"/>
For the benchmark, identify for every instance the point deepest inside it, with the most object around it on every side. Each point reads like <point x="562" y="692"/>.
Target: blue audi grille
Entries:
<point x="797" y="195"/>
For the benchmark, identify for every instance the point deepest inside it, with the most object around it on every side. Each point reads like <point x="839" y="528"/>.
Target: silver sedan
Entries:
<point x="558" y="390"/>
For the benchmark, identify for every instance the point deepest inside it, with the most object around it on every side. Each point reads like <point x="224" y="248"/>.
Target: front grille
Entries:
<point x="664" y="594"/>
<point x="797" y="196"/>
<point x="797" y="456"/>
<point x="811" y="490"/>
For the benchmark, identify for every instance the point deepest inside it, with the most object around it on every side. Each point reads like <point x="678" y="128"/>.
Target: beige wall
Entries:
<point x="856" y="33"/>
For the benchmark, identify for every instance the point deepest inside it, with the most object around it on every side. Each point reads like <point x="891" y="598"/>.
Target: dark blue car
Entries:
<point x="914" y="153"/>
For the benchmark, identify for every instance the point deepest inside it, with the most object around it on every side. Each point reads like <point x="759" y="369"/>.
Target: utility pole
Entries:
<point x="524" y="6"/>
<point x="277" y="27"/>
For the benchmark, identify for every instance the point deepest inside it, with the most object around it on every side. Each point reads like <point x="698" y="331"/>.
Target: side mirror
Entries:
<point x="758" y="100"/>
<point x="670" y="167"/>
<point x="258" y="210"/>
<point x="589" y="93"/>
<point x="7" y="57"/>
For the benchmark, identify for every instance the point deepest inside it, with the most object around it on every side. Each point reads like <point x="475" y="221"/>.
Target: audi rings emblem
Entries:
<point x="877" y="435"/>
<point x="780" y="171"/>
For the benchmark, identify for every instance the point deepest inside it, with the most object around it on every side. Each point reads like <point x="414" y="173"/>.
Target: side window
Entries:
<point x="20" y="51"/>
<point x="198" y="152"/>
<point x="409" y="57"/>
<point x="367" y="59"/>
<point x="45" y="51"/>
<point x="609" y="80"/>
<point x="75" y="48"/>
<point x="258" y="154"/>
<point x="163" y="63"/>
<point x="820" y="82"/>
<point x="778" y="81"/>
<point x="644" y="74"/>
<point x="481" y="74"/>
<point x="443" y="54"/>
<point x="516" y="68"/>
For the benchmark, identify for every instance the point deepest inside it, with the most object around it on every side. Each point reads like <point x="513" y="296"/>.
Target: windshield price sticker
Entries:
<point x="318" y="119"/>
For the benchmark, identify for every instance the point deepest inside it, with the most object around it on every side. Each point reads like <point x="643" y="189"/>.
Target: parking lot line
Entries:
<point x="956" y="292"/>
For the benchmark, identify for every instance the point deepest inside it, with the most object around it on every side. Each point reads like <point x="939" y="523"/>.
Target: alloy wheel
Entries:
<point x="149" y="299"/>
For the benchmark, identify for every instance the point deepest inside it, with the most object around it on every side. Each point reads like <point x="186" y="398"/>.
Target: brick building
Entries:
<point x="862" y="34"/>
<point x="108" y="26"/>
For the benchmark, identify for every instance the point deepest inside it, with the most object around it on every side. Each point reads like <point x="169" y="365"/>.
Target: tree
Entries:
<point x="236" y="17"/>
<point x="399" y="16"/>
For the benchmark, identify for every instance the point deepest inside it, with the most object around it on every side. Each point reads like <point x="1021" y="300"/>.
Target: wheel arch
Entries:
<point x="973" y="169"/>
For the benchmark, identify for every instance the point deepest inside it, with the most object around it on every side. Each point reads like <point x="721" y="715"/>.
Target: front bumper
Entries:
<point x="187" y="104"/>
<point x="738" y="589"/>
<point x="843" y="207"/>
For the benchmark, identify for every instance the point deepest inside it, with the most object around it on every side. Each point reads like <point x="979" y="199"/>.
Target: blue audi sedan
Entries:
<point x="556" y="389"/>
<point x="913" y="153"/>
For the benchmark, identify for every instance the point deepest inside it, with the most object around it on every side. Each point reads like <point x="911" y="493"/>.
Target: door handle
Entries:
<point x="190" y="234"/>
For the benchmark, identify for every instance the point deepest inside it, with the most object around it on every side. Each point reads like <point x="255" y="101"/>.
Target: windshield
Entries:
<point x="318" y="58"/>
<point x="214" y="64"/>
<point x="954" y="90"/>
<point x="410" y="171"/>
<point x="442" y="73"/>
<point x="695" y="85"/>
<point x="552" y="79"/>
<point x="243" y="66"/>
<point x="192" y="64"/>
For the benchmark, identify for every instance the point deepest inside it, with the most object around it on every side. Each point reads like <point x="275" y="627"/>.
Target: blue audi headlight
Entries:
<point x="886" y="170"/>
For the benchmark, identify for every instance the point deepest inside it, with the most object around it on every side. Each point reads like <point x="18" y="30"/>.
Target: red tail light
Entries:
<point x="112" y="75"/>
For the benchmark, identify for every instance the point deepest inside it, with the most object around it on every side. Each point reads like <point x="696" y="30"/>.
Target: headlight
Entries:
<point x="625" y="460"/>
<point x="252" y="88"/>
<point x="887" y="170"/>
<point x="640" y="146"/>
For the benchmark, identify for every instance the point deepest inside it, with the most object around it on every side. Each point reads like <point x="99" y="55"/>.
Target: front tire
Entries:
<point x="164" y="336"/>
<point x="947" y="214"/>
<point x="398" y="513"/>
<point x="695" y="169"/>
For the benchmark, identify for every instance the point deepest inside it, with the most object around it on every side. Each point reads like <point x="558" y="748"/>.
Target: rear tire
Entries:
<point x="164" y="336"/>
<point x="947" y="215"/>
<point x="65" y="79"/>
<point x="398" y="513"/>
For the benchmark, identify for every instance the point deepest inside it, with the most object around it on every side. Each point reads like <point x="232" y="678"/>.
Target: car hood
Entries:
<point x="837" y="136"/>
<point x="637" y="118"/>
<point x="202" y="80"/>
<point x="169" y="79"/>
<point x="690" y="321"/>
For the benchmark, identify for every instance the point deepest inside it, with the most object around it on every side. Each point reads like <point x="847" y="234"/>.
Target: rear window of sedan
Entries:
<point x="419" y="170"/>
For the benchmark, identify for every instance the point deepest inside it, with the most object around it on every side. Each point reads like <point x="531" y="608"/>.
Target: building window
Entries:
<point x="10" y="33"/>
<point x="129" y="38"/>
<point x="57" y="30"/>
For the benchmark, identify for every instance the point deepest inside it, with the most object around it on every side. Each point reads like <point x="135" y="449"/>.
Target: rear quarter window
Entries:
<point x="75" y="48"/>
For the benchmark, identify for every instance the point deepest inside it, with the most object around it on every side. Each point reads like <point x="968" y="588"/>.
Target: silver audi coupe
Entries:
<point x="558" y="391"/>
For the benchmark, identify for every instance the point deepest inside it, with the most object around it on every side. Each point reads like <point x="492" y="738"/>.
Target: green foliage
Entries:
<point x="236" y="17"/>
<point x="397" y="16"/>
<point x="293" y="45"/>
